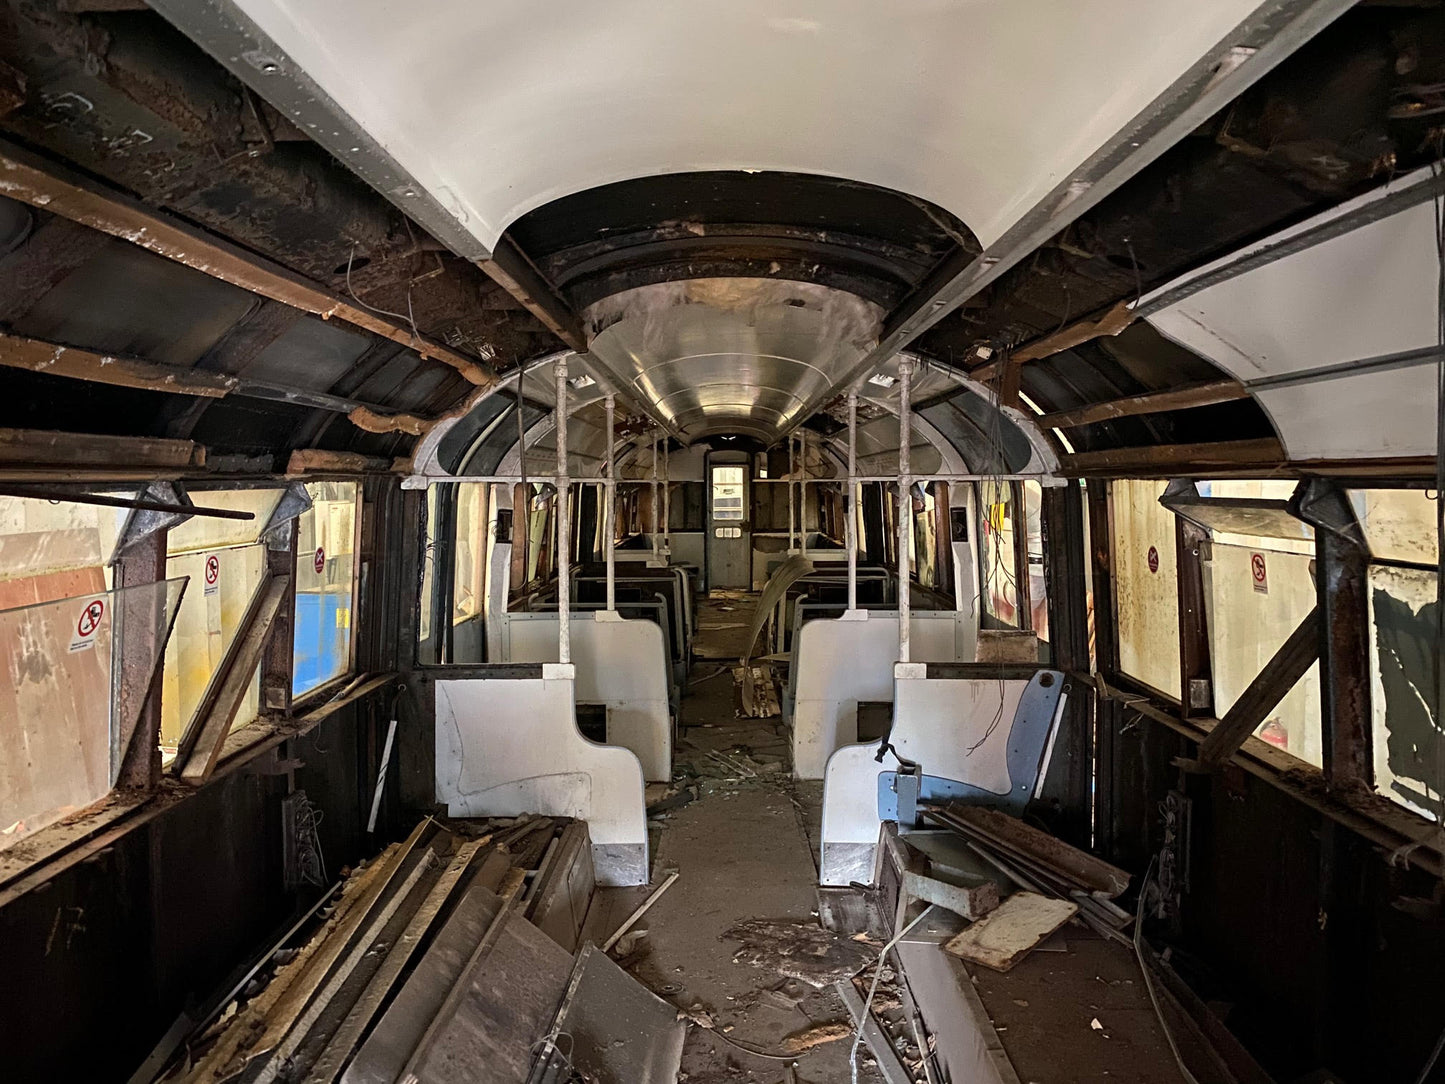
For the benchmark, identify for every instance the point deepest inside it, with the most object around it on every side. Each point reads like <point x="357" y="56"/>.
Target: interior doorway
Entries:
<point x="729" y="526"/>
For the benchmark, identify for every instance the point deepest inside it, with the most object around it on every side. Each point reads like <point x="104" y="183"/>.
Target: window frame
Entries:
<point x="300" y="702"/>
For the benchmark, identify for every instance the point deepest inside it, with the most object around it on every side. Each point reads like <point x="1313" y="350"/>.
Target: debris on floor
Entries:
<point x="799" y="950"/>
<point x="452" y="956"/>
<point x="757" y="691"/>
<point x="1010" y="932"/>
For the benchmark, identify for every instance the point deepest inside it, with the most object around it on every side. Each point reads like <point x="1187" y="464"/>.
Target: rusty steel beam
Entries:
<point x="30" y="179"/>
<point x="511" y="268"/>
<point x="1171" y="460"/>
<point x="37" y="356"/>
<point x="1110" y="323"/>
<point x="1154" y="402"/>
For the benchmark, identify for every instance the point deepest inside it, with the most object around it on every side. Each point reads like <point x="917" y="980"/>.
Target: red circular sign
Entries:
<point x="319" y="561"/>
<point x="213" y="568"/>
<point x="1256" y="566"/>
<point x="1153" y="559"/>
<point x="90" y="618"/>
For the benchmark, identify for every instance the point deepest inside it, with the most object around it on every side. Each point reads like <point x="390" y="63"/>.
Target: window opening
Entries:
<point x="66" y="716"/>
<point x="1146" y="584"/>
<point x="225" y="563"/>
<point x="325" y="585"/>
<point x="727" y="493"/>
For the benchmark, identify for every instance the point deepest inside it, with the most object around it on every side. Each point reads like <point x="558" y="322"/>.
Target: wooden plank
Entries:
<point x="30" y="179"/>
<point x="230" y="684"/>
<point x="1165" y="460"/>
<point x="231" y="1052"/>
<point x="1154" y="402"/>
<point x="36" y="356"/>
<point x="1000" y="830"/>
<point x="339" y="1048"/>
<point x="1003" y="938"/>
<point x="52" y="448"/>
<point x="1283" y="671"/>
<point x="292" y="1003"/>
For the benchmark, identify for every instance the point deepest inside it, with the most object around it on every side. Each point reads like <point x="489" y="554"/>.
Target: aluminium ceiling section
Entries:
<point x="1337" y="341"/>
<point x="741" y="356"/>
<point x="981" y="106"/>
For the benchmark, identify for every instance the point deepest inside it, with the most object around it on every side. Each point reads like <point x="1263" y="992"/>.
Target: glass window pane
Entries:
<point x="325" y="574"/>
<point x="1399" y="524"/>
<point x="55" y="550"/>
<point x="1001" y="597"/>
<point x="62" y="711"/>
<point x="1407" y="739"/>
<point x="1255" y="598"/>
<point x="1146" y="584"/>
<point x="222" y="585"/>
<point x="1038" y="588"/>
<point x="727" y="492"/>
<point x="471" y="550"/>
<point x="207" y="532"/>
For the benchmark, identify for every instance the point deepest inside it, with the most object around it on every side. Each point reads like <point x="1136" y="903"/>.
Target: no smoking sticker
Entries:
<point x="213" y="574"/>
<point x="1153" y="559"/>
<point x="87" y="623"/>
<point x="319" y="561"/>
<point x="1259" y="573"/>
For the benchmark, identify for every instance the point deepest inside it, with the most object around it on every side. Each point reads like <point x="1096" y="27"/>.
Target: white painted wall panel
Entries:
<point x="620" y="663"/>
<point x="980" y="106"/>
<point x="843" y="661"/>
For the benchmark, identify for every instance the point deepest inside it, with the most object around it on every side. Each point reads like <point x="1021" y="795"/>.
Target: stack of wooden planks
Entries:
<point x="446" y="958"/>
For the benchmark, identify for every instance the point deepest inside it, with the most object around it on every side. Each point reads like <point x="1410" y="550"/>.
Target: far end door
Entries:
<point x="729" y="534"/>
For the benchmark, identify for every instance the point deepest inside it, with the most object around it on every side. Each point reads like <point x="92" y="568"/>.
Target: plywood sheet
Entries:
<point x="1004" y="937"/>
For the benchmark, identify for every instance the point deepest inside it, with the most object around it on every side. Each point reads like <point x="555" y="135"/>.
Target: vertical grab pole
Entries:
<point x="609" y="514"/>
<point x="850" y="509"/>
<point x="905" y="504"/>
<point x="564" y="519"/>
<point x="792" y="470"/>
<point x="667" y="498"/>
<point x="652" y="486"/>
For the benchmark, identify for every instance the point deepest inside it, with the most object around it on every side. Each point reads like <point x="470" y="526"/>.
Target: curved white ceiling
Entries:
<point x="1338" y="341"/>
<point x="981" y="106"/>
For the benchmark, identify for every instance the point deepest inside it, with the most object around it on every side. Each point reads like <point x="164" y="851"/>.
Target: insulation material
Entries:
<point x="1146" y="584"/>
<point x="65" y="712"/>
<point x="1409" y="755"/>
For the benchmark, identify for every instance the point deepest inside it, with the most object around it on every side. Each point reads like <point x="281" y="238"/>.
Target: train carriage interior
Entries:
<point x="676" y="541"/>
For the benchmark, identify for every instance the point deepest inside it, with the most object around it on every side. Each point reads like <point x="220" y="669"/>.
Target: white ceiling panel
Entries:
<point x="981" y="106"/>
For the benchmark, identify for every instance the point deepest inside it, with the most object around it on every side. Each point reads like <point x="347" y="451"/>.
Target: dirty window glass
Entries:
<point x="1256" y="594"/>
<point x="64" y="714"/>
<point x="55" y="549"/>
<point x="1146" y="584"/>
<point x="996" y="544"/>
<point x="727" y="493"/>
<point x="1034" y="538"/>
<point x="1399" y="524"/>
<point x="325" y="580"/>
<point x="225" y="563"/>
<point x="1409" y="758"/>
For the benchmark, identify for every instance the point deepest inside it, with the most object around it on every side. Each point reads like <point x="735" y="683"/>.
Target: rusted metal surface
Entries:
<point x="1196" y="677"/>
<point x="28" y="179"/>
<point x="1013" y="836"/>
<point x="1156" y="402"/>
<point x="17" y="352"/>
<point x="515" y="273"/>
<point x="1344" y="659"/>
<point x="1166" y="460"/>
<point x="48" y="448"/>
